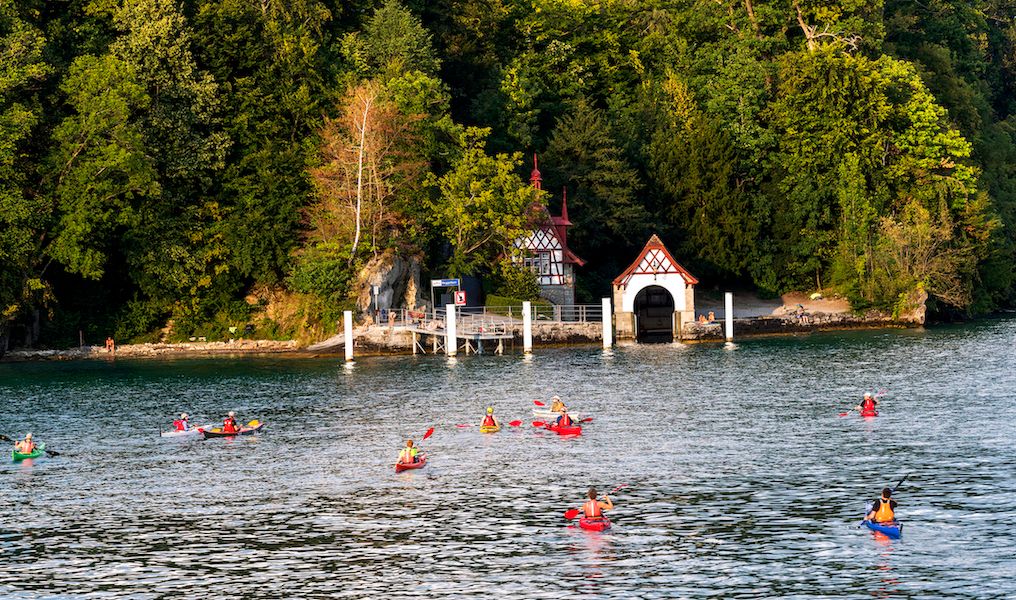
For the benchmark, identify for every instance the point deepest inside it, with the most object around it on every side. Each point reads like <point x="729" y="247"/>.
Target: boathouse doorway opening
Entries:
<point x="654" y="315"/>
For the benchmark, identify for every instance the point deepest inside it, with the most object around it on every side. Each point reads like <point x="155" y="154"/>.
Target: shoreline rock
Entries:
<point x="379" y="340"/>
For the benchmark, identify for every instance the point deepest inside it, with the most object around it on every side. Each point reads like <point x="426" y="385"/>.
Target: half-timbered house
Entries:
<point x="545" y="249"/>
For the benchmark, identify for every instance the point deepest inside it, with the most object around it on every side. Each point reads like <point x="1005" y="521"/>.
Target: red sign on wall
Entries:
<point x="460" y="298"/>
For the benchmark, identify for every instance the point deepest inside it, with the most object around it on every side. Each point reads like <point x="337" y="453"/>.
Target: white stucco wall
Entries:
<point x="672" y="282"/>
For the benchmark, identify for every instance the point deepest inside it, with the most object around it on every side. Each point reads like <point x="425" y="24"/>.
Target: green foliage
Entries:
<point x="23" y="213"/>
<point x="392" y="42"/>
<point x="481" y="207"/>
<point x="515" y="281"/>
<point x="324" y="271"/>
<point x="164" y="158"/>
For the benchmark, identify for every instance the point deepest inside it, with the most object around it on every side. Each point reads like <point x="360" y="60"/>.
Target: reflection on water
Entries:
<point x="744" y="481"/>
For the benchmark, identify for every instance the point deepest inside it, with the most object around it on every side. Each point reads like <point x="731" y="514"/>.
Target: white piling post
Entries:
<point x="451" y="341"/>
<point x="608" y="331"/>
<point x="527" y="327"/>
<point x="729" y="315"/>
<point x="347" y="329"/>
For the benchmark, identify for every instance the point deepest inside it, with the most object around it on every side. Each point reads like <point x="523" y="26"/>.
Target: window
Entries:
<point x="539" y="264"/>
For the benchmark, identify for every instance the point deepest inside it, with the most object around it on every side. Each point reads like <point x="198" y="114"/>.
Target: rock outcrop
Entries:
<point x="397" y="279"/>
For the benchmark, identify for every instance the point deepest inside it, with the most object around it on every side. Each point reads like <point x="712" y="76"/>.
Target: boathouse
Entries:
<point x="545" y="249"/>
<point x="654" y="296"/>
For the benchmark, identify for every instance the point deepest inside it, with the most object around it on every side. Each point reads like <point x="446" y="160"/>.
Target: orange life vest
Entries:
<point x="564" y="421"/>
<point x="229" y="425"/>
<point x="592" y="509"/>
<point x="488" y="421"/>
<point x="868" y="405"/>
<point x="885" y="513"/>
<point x="180" y="425"/>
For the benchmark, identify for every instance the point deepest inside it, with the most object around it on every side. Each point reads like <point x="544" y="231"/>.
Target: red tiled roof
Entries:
<point x="654" y="243"/>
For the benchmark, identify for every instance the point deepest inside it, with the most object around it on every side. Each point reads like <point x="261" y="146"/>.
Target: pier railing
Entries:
<point x="490" y="319"/>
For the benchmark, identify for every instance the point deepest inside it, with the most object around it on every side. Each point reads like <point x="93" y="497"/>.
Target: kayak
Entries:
<point x="400" y="467"/>
<point x="187" y="433"/>
<point x="893" y="529"/>
<point x="595" y="524"/>
<point x="40" y="449"/>
<point x="569" y="430"/>
<point x="869" y="413"/>
<point x="216" y="432"/>
<point x="490" y="428"/>
<point x="543" y="413"/>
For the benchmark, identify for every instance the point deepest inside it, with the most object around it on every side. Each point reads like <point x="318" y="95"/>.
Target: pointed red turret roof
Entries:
<point x="558" y="225"/>
<point x="654" y="259"/>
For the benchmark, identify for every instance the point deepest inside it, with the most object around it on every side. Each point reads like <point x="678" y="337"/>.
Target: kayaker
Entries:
<point x="229" y="423"/>
<point x="182" y="424"/>
<point x="883" y="509"/>
<point x="556" y="405"/>
<point x="593" y="508"/>
<point x="26" y="446"/>
<point x="564" y="420"/>
<point x="489" y="420"/>
<point x="868" y="404"/>
<point x="409" y="453"/>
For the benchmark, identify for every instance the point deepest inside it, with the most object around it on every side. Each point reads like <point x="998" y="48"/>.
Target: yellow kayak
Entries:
<point x="489" y="428"/>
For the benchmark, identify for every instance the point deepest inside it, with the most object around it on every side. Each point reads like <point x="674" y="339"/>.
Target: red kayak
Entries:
<point x="400" y="467"/>
<point x="564" y="430"/>
<point x="869" y="413"/>
<point x="595" y="524"/>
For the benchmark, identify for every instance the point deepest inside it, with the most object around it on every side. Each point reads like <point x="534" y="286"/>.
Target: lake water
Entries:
<point x="744" y="481"/>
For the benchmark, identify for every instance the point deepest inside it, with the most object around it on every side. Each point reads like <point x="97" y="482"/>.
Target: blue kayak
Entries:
<point x="892" y="530"/>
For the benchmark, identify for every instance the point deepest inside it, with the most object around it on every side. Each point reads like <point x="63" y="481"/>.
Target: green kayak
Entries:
<point x="40" y="449"/>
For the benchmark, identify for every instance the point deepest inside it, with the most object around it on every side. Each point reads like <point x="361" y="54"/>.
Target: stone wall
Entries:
<point x="558" y="294"/>
<point x="785" y="325"/>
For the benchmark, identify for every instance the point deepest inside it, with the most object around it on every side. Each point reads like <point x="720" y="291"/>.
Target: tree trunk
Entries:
<point x="809" y="31"/>
<point x="359" y="174"/>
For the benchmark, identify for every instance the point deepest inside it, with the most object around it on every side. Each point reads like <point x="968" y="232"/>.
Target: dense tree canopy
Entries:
<point x="180" y="162"/>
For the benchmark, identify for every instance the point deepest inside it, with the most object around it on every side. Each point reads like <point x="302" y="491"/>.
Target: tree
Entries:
<point x="135" y="167"/>
<point x="275" y="67"/>
<point x="603" y="189"/>
<point x="369" y="157"/>
<point x="481" y="207"/>
<point x="393" y="41"/>
<point x="23" y="213"/>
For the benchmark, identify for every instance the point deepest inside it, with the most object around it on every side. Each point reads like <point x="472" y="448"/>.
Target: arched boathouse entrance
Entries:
<point x="654" y="296"/>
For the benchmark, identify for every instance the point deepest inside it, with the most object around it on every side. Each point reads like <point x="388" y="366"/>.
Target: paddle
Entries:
<point x="571" y="513"/>
<point x="894" y="488"/>
<point x="47" y="451"/>
<point x="538" y="403"/>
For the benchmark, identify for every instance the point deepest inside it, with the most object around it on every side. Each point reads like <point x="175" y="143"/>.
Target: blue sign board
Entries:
<point x="444" y="283"/>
